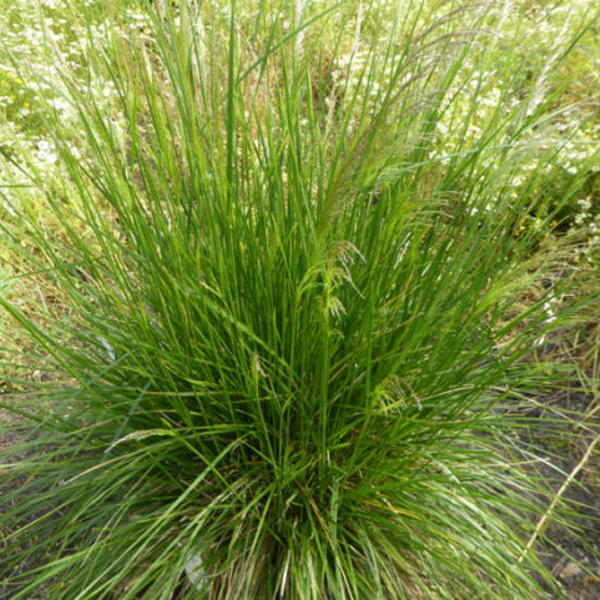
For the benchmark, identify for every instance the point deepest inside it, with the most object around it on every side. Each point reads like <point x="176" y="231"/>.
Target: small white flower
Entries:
<point x="585" y="203"/>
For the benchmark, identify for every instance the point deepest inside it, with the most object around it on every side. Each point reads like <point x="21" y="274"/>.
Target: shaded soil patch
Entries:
<point x="571" y="553"/>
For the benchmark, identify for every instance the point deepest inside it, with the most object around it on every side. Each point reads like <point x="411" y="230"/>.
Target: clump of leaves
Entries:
<point x="290" y="343"/>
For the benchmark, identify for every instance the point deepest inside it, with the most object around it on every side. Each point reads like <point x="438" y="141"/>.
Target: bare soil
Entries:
<point x="574" y="557"/>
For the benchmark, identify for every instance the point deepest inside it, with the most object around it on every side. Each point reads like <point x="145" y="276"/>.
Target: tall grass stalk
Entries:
<point x="288" y="340"/>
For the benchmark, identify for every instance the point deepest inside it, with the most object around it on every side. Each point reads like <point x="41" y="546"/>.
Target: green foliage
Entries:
<point x="290" y="331"/>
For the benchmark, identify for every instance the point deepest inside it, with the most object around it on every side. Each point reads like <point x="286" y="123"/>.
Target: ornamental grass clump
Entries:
<point x="287" y="339"/>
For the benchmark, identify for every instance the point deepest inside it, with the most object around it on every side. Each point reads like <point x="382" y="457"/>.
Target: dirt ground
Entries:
<point x="575" y="559"/>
